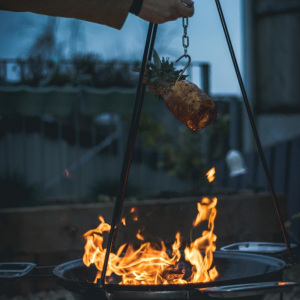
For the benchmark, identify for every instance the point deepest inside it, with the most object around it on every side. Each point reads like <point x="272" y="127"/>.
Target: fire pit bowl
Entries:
<point x="233" y="269"/>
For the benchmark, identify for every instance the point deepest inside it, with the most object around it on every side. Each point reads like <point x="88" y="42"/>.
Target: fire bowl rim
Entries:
<point x="276" y="262"/>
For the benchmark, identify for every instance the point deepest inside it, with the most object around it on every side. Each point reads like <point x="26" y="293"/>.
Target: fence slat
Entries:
<point x="261" y="181"/>
<point x="294" y="182"/>
<point x="221" y="173"/>
<point x="280" y="167"/>
<point x="248" y="179"/>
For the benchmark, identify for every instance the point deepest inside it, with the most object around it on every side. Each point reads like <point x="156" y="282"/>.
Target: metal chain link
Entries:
<point x="185" y="37"/>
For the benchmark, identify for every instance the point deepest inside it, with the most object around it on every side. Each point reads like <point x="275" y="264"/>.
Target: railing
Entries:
<point x="65" y="156"/>
<point x="13" y="70"/>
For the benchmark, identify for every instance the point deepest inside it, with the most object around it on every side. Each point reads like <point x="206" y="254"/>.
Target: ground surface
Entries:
<point x="291" y="274"/>
<point x="49" y="295"/>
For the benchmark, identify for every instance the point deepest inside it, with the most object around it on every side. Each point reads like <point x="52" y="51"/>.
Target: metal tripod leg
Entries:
<point x="253" y="126"/>
<point x="137" y="108"/>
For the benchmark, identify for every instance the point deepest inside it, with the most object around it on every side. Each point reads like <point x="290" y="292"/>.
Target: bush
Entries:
<point x="88" y="69"/>
<point x="16" y="192"/>
<point x="105" y="190"/>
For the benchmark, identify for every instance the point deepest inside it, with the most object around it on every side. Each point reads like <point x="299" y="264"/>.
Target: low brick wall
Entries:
<point x="52" y="235"/>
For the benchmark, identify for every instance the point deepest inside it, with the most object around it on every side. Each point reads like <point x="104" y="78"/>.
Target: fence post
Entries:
<point x="3" y="70"/>
<point x="204" y="76"/>
<point x="42" y="156"/>
<point x="235" y="124"/>
<point x="294" y="187"/>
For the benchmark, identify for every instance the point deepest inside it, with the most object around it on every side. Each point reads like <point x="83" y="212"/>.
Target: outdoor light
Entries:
<point x="235" y="163"/>
<point x="106" y="119"/>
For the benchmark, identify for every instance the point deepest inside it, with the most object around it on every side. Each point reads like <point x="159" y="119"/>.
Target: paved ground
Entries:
<point x="50" y="295"/>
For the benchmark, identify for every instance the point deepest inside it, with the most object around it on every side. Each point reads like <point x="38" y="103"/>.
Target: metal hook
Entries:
<point x="186" y="66"/>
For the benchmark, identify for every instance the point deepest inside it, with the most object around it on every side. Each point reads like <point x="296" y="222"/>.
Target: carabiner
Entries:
<point x="186" y="66"/>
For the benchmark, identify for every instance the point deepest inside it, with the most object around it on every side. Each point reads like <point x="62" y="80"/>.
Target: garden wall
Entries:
<point x="52" y="235"/>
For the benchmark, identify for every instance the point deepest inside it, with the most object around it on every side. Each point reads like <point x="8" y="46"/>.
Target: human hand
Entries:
<point x="161" y="11"/>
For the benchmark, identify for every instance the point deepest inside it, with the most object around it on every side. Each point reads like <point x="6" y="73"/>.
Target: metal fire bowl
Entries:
<point x="14" y="271"/>
<point x="233" y="268"/>
<point x="259" y="248"/>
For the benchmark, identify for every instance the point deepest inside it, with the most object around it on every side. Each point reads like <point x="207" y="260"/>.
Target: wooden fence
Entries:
<point x="63" y="169"/>
<point x="283" y="161"/>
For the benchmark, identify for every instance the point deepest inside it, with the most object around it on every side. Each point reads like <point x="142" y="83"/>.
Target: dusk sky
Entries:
<point x="207" y="43"/>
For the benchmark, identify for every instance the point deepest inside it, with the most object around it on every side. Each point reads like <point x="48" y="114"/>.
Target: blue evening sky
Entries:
<point x="207" y="42"/>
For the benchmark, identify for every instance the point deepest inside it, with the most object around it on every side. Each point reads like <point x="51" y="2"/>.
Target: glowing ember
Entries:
<point x="134" y="214"/>
<point x="139" y="236"/>
<point x="68" y="175"/>
<point x="150" y="264"/>
<point x="124" y="221"/>
<point x="211" y="175"/>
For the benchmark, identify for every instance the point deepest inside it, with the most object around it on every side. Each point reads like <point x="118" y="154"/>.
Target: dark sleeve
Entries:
<point x="112" y="13"/>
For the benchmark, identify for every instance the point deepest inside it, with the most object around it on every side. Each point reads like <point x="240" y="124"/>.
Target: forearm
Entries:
<point x="112" y="13"/>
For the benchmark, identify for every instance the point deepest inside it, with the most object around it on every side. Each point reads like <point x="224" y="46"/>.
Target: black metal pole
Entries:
<point x="138" y="103"/>
<point x="253" y="126"/>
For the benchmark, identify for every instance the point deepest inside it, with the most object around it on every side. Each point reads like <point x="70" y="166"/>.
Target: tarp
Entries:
<point x="59" y="101"/>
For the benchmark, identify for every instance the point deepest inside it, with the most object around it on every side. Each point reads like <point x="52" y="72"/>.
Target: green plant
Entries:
<point x="289" y="227"/>
<point x="189" y="154"/>
<point x="15" y="191"/>
<point x="90" y="69"/>
<point x="32" y="70"/>
<point x="105" y="190"/>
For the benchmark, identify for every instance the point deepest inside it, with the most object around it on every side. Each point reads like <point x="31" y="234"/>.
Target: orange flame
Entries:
<point x="150" y="264"/>
<point x="139" y="236"/>
<point x="211" y="175"/>
<point x="282" y="283"/>
<point x="134" y="214"/>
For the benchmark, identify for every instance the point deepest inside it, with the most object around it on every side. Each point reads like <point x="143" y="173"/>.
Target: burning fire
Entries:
<point x="211" y="174"/>
<point x="150" y="264"/>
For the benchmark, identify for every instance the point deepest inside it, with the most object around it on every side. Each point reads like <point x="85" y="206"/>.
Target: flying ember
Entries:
<point x="211" y="175"/>
<point x="151" y="263"/>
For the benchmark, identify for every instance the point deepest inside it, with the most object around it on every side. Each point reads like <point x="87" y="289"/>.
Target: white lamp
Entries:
<point x="235" y="163"/>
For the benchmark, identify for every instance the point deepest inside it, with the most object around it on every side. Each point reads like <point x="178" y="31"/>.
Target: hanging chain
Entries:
<point x="185" y="44"/>
<point x="185" y="37"/>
